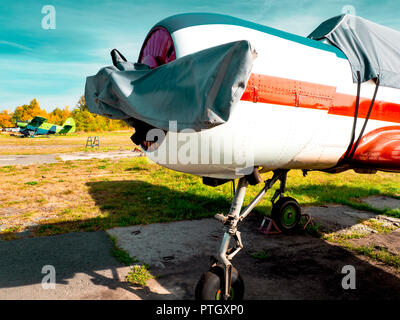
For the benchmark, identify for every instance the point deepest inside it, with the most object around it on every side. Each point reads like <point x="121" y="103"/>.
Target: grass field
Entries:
<point x="74" y="142"/>
<point x="99" y="194"/>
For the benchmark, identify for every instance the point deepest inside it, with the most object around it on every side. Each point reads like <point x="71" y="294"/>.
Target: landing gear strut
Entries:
<point x="223" y="281"/>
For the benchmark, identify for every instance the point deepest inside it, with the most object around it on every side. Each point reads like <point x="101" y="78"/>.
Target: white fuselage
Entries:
<point x="265" y="134"/>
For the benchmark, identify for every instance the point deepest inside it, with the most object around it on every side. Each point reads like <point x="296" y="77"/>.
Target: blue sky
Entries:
<point x="51" y="65"/>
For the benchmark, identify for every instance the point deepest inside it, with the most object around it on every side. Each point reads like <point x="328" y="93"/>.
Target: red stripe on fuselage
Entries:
<point x="294" y="93"/>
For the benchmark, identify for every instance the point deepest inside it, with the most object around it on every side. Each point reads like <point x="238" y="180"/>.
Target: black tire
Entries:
<point x="286" y="213"/>
<point x="210" y="285"/>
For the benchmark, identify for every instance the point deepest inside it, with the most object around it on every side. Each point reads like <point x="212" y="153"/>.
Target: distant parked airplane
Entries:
<point x="40" y="126"/>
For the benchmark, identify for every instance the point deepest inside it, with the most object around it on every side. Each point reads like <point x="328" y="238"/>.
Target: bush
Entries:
<point x="139" y="275"/>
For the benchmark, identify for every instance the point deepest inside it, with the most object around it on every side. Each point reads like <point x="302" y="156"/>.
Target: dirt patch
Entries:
<point x="335" y="217"/>
<point x="389" y="242"/>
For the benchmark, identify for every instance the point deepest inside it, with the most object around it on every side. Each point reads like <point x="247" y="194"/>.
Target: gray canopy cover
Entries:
<point x="372" y="49"/>
<point x="199" y="90"/>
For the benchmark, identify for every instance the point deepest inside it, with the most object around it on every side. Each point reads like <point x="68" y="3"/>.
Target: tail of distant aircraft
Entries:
<point x="68" y="126"/>
<point x="21" y="124"/>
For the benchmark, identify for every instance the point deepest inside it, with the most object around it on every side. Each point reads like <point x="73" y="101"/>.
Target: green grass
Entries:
<point x="82" y="196"/>
<point x="139" y="275"/>
<point x="342" y="237"/>
<point x="31" y="183"/>
<point x="379" y="254"/>
<point x="262" y="255"/>
<point x="121" y="255"/>
<point x="378" y="226"/>
<point x="10" y="233"/>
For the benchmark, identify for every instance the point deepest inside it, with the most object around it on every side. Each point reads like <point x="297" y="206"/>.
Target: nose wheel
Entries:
<point x="222" y="281"/>
<point x="211" y="285"/>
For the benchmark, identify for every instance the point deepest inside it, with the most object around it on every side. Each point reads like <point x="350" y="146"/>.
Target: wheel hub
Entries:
<point x="289" y="216"/>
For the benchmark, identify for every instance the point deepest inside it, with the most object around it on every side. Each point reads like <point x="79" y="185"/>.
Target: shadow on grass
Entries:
<point x="137" y="202"/>
<point x="131" y="202"/>
<point x="128" y="202"/>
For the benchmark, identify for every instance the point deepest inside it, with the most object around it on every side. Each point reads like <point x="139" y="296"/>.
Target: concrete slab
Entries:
<point x="83" y="265"/>
<point x="99" y="155"/>
<point x="382" y="202"/>
<point x="11" y="160"/>
<point x="337" y="217"/>
<point x="158" y="243"/>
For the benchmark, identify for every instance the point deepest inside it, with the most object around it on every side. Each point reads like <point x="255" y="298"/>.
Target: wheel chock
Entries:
<point x="272" y="228"/>
<point x="308" y="221"/>
<point x="267" y="228"/>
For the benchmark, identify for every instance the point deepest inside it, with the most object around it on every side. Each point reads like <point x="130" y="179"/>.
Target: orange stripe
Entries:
<point x="294" y="93"/>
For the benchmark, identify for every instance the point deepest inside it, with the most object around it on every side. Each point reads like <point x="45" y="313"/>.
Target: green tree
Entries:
<point x="29" y="111"/>
<point x="58" y="116"/>
<point x="5" y="119"/>
<point x="87" y="121"/>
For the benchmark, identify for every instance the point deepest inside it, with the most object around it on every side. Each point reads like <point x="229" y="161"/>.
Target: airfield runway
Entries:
<point x="8" y="160"/>
<point x="298" y="266"/>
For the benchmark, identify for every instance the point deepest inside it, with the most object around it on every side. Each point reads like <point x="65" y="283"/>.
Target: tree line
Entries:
<point x="84" y="119"/>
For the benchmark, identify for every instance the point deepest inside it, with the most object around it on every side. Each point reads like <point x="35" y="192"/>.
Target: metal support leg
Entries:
<point x="280" y="175"/>
<point x="230" y="223"/>
<point x="235" y="215"/>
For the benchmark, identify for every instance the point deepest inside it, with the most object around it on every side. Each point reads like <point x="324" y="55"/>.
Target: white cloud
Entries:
<point x="15" y="45"/>
<point x="30" y="68"/>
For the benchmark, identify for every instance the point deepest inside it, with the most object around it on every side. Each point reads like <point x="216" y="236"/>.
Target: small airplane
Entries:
<point x="40" y="126"/>
<point x="261" y="100"/>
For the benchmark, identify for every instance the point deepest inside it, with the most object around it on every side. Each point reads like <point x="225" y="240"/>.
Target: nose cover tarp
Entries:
<point x="198" y="91"/>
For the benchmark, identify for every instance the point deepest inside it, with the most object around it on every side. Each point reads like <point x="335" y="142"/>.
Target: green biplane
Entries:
<point x="40" y="126"/>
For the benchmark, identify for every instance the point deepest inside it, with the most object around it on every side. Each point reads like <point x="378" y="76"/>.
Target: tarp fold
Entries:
<point x="371" y="49"/>
<point x="198" y="91"/>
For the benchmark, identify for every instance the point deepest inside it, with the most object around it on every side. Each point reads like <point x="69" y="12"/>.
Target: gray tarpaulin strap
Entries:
<point x="373" y="52"/>
<point x="366" y="119"/>
<point x="199" y="90"/>
<point x="353" y="131"/>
